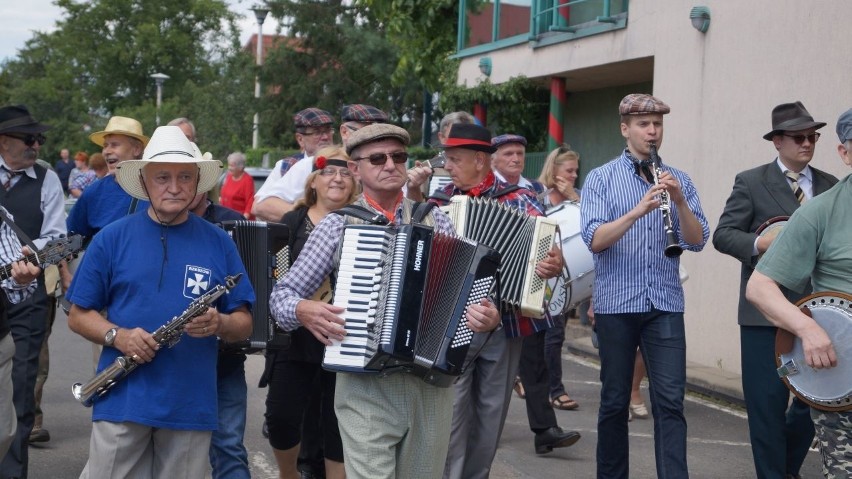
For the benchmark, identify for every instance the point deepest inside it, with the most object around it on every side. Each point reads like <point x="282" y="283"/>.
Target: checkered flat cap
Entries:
<point x="376" y="132"/>
<point x="362" y="114"/>
<point x="312" y="117"/>
<point x="642" y="104"/>
<point x="501" y="140"/>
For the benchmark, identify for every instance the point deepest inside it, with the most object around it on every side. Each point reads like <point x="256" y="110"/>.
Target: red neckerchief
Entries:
<point x="390" y="215"/>
<point x="477" y="190"/>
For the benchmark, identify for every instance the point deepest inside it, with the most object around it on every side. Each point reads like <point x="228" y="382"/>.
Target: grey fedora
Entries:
<point x="791" y="117"/>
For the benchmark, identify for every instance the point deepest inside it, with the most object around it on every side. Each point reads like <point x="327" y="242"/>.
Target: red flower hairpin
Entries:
<point x="320" y="162"/>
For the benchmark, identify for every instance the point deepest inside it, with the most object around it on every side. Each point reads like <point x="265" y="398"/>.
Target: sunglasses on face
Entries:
<point x="799" y="139"/>
<point x="30" y="139"/>
<point x="378" y="159"/>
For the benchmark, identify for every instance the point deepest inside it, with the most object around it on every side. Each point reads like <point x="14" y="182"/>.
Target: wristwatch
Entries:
<point x="109" y="337"/>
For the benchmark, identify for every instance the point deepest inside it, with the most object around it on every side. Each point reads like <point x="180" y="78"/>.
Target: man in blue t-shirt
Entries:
<point x="145" y="269"/>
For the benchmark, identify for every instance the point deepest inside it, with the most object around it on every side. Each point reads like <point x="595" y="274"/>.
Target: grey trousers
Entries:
<point x="8" y="420"/>
<point x="128" y="450"/>
<point x="481" y="404"/>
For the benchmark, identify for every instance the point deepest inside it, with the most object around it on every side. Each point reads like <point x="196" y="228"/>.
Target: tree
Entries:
<point x="98" y="63"/>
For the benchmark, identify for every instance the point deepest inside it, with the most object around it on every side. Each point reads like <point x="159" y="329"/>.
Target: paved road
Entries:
<point x="718" y="435"/>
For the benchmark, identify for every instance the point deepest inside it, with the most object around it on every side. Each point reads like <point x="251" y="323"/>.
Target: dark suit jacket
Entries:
<point x="759" y="194"/>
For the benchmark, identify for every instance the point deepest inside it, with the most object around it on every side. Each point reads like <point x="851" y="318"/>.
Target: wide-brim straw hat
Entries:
<point x="168" y="145"/>
<point x="120" y="125"/>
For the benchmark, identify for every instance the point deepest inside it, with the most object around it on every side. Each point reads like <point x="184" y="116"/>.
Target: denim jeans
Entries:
<point x="660" y="336"/>
<point x="228" y="454"/>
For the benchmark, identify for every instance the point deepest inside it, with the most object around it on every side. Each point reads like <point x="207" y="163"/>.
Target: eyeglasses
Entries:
<point x="320" y="132"/>
<point x="799" y="139"/>
<point x="30" y="139"/>
<point x="327" y="171"/>
<point x="378" y="159"/>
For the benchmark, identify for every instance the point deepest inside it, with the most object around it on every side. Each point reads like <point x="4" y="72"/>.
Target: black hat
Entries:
<point x="791" y="117"/>
<point x="469" y="136"/>
<point x="17" y="119"/>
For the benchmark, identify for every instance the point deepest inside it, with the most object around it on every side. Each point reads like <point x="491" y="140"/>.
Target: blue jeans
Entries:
<point x="660" y="336"/>
<point x="228" y="455"/>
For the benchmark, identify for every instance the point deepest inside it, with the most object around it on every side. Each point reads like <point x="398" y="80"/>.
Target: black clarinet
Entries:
<point x="673" y="248"/>
<point x="166" y="335"/>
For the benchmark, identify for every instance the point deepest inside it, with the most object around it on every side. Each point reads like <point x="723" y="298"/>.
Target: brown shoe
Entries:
<point x="564" y="402"/>
<point x="39" y="434"/>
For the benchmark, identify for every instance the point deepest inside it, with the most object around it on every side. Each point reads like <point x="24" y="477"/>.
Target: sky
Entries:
<point x="41" y="15"/>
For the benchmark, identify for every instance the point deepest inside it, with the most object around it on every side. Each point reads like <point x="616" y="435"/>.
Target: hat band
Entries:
<point x="794" y="122"/>
<point x="466" y="142"/>
<point x="24" y="120"/>
<point x="175" y="152"/>
<point x="337" y="162"/>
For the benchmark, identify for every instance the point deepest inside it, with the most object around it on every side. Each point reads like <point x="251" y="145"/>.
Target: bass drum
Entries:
<point x="576" y="282"/>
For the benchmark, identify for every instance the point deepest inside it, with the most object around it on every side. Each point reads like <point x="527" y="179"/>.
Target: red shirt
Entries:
<point x="238" y="194"/>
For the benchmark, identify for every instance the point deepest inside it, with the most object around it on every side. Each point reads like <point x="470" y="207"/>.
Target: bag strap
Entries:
<point x="362" y="213"/>
<point x="420" y="211"/>
<point x="505" y="191"/>
<point x="18" y="231"/>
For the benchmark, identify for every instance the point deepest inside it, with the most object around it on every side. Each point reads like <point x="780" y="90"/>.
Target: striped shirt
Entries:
<point x="10" y="251"/>
<point x="316" y="261"/>
<point x="633" y="275"/>
<point x="514" y="324"/>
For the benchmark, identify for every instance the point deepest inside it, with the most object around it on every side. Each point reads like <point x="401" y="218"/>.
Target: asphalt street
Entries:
<point x="718" y="445"/>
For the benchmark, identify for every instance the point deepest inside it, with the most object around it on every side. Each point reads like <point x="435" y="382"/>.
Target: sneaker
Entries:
<point x="639" y="411"/>
<point x="39" y="434"/>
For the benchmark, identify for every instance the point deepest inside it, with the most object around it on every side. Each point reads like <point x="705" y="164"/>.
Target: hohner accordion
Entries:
<point x="264" y="250"/>
<point x="406" y="291"/>
<point x="521" y="240"/>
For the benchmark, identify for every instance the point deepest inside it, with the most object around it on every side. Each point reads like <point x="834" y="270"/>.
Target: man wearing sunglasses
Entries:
<point x="34" y="197"/>
<point x="413" y="441"/>
<point x="780" y="435"/>
<point x="314" y="130"/>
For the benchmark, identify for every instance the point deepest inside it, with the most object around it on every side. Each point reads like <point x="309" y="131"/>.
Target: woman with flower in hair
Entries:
<point x="295" y="375"/>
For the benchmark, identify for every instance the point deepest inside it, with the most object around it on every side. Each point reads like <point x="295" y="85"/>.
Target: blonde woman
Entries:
<point x="295" y="375"/>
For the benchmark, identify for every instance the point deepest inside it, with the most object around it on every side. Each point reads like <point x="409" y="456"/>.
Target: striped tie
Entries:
<point x="10" y="176"/>
<point x="797" y="190"/>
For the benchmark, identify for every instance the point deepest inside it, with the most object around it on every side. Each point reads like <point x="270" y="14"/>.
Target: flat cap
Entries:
<point x="362" y="114"/>
<point x="642" y="104"/>
<point x="312" y="117"/>
<point x="376" y="132"/>
<point x="501" y="140"/>
<point x="844" y="126"/>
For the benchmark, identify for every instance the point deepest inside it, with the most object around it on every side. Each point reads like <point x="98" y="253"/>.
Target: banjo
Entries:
<point x="828" y="389"/>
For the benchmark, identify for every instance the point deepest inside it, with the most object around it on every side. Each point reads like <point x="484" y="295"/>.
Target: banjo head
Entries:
<point x="828" y="389"/>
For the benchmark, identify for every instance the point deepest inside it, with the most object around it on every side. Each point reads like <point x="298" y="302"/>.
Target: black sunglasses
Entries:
<point x="799" y="139"/>
<point x="378" y="159"/>
<point x="29" y="139"/>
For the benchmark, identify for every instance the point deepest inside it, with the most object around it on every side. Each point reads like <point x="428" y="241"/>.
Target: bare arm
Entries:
<point x="232" y="327"/>
<point x="271" y="208"/>
<point x="766" y="295"/>
<point x="93" y="326"/>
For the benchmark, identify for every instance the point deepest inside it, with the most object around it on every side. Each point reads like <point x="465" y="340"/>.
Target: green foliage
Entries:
<point x="517" y="106"/>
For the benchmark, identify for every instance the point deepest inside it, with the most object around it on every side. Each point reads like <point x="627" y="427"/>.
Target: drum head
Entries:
<point x="828" y="388"/>
<point x="558" y="294"/>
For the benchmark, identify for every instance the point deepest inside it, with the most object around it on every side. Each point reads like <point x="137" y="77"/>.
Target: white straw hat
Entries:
<point x="168" y="144"/>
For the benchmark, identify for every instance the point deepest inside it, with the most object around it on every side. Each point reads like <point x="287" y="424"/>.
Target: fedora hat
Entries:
<point x="791" y="117"/>
<point x="168" y="145"/>
<point x="470" y="137"/>
<point x="120" y="125"/>
<point x="17" y="119"/>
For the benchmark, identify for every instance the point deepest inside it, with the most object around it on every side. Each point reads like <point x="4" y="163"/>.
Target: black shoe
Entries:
<point x="554" y="437"/>
<point x="39" y="435"/>
<point x="265" y="429"/>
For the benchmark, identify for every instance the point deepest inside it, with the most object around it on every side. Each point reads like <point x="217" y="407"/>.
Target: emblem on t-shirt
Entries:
<point x="197" y="281"/>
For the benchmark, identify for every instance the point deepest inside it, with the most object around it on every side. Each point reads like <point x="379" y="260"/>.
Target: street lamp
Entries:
<point x="159" y="78"/>
<point x="260" y="13"/>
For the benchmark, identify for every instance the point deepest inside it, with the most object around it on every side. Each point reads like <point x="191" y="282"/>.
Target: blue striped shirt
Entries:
<point x="633" y="275"/>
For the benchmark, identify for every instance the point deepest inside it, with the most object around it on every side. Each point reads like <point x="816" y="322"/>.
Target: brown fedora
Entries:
<point x="791" y="117"/>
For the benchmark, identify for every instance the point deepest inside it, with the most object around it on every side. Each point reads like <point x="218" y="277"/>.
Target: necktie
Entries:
<point x="10" y="175"/>
<point x="794" y="185"/>
<point x="643" y="168"/>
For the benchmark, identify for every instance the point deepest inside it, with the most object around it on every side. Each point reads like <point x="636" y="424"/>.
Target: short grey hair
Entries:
<point x="239" y="157"/>
<point x="184" y="121"/>
<point x="456" y="117"/>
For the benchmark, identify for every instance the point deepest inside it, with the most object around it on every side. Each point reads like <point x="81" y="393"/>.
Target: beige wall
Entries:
<point x="721" y="86"/>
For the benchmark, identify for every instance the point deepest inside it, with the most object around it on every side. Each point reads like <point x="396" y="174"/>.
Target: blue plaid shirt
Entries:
<point x="514" y="324"/>
<point x="316" y="261"/>
<point x="633" y="275"/>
